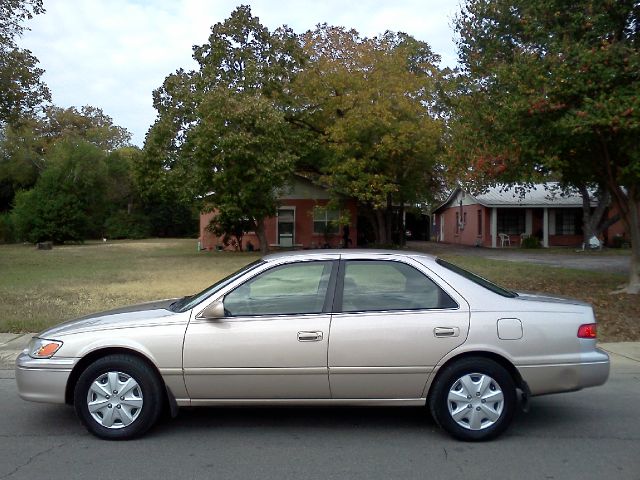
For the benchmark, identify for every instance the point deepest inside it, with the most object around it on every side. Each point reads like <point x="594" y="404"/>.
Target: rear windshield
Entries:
<point x="476" y="279"/>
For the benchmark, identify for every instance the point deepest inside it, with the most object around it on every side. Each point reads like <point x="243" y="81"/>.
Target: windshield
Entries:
<point x="186" y="303"/>
<point x="477" y="279"/>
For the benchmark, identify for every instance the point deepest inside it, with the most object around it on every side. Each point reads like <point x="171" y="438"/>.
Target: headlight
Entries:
<point x="42" y="348"/>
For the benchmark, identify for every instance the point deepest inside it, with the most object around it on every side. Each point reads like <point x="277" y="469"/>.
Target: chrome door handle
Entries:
<point x="443" y="332"/>
<point x="309" y="336"/>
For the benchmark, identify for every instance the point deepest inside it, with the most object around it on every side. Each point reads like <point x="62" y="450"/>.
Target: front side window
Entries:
<point x="287" y="289"/>
<point x="325" y="220"/>
<point x="371" y="285"/>
<point x="189" y="302"/>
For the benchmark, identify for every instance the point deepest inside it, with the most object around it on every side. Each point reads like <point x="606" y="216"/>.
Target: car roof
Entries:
<point x="358" y="252"/>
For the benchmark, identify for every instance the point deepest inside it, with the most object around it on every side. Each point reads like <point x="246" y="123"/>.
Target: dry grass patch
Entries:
<point x="41" y="288"/>
<point x="618" y="315"/>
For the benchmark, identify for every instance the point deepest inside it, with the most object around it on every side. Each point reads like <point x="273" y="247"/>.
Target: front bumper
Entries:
<point x="567" y="377"/>
<point x="43" y="380"/>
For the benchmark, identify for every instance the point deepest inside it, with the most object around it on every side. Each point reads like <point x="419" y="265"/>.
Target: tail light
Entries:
<point x="588" y="330"/>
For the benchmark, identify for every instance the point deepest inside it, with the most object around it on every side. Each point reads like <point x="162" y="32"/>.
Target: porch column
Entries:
<point x="494" y="227"/>
<point x="545" y="228"/>
<point x="528" y="221"/>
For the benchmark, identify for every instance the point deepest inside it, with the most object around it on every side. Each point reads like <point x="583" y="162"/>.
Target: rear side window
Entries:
<point x="483" y="282"/>
<point x="371" y="285"/>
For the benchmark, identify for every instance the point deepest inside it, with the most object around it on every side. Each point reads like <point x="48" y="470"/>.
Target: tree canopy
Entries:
<point x="355" y="112"/>
<point x="369" y="100"/>
<point x="24" y="148"/>
<point x="223" y="123"/>
<point x="21" y="86"/>
<point x="550" y="89"/>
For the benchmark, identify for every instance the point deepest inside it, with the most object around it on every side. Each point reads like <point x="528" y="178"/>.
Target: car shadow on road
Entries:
<point x="304" y="417"/>
<point x="548" y="417"/>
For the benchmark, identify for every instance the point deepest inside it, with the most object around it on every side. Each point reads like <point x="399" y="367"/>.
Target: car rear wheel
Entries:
<point x="473" y="399"/>
<point x="118" y="397"/>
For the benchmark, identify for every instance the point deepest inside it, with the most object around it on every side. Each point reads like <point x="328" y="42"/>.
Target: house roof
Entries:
<point x="538" y="195"/>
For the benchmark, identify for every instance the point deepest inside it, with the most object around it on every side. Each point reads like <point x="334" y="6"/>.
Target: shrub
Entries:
<point x="7" y="234"/>
<point x="620" y="242"/>
<point x="127" y="225"/>
<point x="531" y="242"/>
<point x="67" y="202"/>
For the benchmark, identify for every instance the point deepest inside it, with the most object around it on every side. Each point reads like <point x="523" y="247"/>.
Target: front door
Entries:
<point x="286" y="224"/>
<point x="272" y="342"/>
<point x="392" y="326"/>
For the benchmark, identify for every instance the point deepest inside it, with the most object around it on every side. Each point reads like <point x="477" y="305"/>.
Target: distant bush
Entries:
<point x="41" y="215"/>
<point x="67" y="202"/>
<point x="7" y="233"/>
<point x="620" y="242"/>
<point x="127" y="225"/>
<point x="531" y="242"/>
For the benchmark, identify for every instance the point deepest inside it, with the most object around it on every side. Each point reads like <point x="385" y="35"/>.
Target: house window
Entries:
<point x="568" y="222"/>
<point x="511" y="221"/>
<point x="479" y="223"/>
<point x="325" y="221"/>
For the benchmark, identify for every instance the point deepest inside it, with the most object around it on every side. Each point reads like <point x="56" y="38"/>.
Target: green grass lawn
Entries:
<point x="42" y="288"/>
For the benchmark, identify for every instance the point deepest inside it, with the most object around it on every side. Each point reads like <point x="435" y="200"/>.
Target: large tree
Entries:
<point x="68" y="200"/>
<point x="21" y="86"/>
<point x="25" y="145"/>
<point x="220" y="132"/>
<point x="551" y="89"/>
<point x="370" y="102"/>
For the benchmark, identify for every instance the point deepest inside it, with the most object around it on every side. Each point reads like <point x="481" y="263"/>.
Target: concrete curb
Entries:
<point x="11" y="344"/>
<point x="628" y="350"/>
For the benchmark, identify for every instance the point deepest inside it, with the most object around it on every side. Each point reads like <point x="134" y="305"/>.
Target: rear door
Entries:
<point x="391" y="325"/>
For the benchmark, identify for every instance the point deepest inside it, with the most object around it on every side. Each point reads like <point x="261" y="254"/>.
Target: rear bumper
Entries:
<point x="43" y="380"/>
<point x="567" y="377"/>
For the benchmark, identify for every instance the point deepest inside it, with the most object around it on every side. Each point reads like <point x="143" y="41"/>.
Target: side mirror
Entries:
<point x="213" y="312"/>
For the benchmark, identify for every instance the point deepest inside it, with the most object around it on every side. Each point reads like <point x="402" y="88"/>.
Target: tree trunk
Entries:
<point x="628" y="203"/>
<point x="262" y="238"/>
<point x="403" y="227"/>
<point x="634" y="267"/>
<point x="388" y="217"/>
<point x="381" y="226"/>
<point x="629" y="206"/>
<point x="592" y="224"/>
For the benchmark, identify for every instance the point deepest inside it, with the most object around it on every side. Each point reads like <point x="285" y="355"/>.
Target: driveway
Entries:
<point x="594" y="261"/>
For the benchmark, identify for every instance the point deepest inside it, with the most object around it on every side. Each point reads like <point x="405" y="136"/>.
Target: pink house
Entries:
<point x="303" y="220"/>
<point x="502" y="216"/>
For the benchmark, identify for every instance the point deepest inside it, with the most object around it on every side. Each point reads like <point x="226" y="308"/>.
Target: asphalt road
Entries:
<point x="592" y="434"/>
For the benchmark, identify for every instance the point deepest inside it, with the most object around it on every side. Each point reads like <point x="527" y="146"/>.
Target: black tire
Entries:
<point x="449" y="377"/>
<point x="149" y="389"/>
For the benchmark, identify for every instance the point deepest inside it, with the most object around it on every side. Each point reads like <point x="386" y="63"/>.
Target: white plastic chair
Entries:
<point x="504" y="239"/>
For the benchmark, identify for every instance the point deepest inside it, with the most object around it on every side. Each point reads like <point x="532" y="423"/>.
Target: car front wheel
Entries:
<point x="473" y="399"/>
<point x="118" y="397"/>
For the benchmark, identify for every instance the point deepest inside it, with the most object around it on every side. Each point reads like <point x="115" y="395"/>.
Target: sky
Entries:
<point x="112" y="54"/>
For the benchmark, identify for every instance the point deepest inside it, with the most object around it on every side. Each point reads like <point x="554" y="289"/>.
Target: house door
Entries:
<point x="286" y="223"/>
